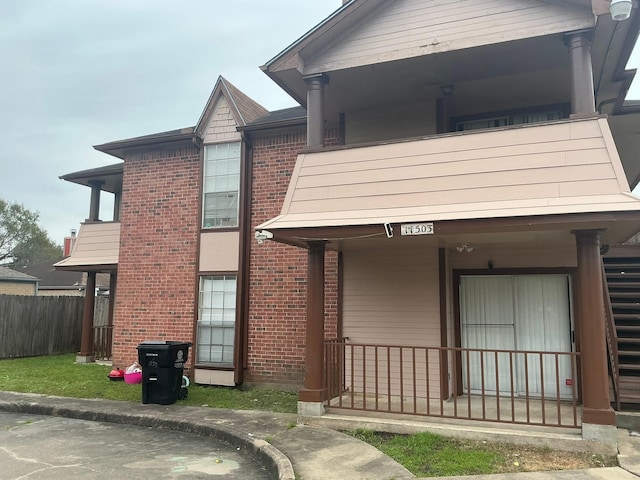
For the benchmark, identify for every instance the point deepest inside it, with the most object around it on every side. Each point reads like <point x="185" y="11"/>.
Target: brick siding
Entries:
<point x="278" y="273"/>
<point x="156" y="291"/>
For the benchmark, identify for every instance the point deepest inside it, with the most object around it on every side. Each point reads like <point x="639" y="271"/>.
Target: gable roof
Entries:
<point x="7" y="274"/>
<point x="49" y="276"/>
<point x="243" y="108"/>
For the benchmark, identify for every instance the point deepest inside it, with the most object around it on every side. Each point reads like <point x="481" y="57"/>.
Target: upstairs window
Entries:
<point x="221" y="185"/>
<point x="515" y="117"/>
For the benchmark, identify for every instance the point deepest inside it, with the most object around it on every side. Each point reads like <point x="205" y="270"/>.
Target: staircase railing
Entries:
<point x="612" y="338"/>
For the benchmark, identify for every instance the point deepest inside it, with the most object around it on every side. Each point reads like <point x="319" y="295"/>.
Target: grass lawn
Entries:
<point x="429" y="455"/>
<point x="59" y="375"/>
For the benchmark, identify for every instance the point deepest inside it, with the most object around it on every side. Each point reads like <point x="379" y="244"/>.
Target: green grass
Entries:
<point x="428" y="455"/>
<point x="59" y="375"/>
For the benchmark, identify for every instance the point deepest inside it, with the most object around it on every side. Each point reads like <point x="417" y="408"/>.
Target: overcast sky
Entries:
<point x="77" y="73"/>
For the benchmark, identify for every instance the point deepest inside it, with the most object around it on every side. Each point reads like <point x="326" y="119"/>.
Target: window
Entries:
<point x="216" y="320"/>
<point x="221" y="185"/>
<point x="544" y="114"/>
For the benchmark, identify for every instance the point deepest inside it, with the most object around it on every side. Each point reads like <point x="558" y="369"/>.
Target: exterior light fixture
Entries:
<point x="447" y="90"/>
<point x="464" y="247"/>
<point x="620" y="9"/>
<point x="263" y="235"/>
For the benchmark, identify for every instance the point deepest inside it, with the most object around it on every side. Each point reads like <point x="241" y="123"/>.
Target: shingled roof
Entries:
<point x="7" y="274"/>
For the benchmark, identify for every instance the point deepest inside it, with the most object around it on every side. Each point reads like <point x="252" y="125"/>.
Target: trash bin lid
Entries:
<point x="162" y="344"/>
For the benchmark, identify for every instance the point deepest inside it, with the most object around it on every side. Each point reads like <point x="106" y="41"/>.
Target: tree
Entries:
<point x="22" y="241"/>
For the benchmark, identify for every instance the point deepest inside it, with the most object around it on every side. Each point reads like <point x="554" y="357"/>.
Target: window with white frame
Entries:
<point x="221" y="185"/>
<point x="216" y="320"/>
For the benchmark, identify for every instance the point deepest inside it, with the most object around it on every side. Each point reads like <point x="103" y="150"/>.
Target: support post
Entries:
<point x="597" y="415"/>
<point x="94" y="207"/>
<point x="313" y="393"/>
<point x="582" y="94"/>
<point x="86" y="343"/>
<point x="315" y="109"/>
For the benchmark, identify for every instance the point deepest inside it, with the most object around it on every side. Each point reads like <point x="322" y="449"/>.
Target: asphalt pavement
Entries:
<point x="39" y="447"/>
<point x="283" y="446"/>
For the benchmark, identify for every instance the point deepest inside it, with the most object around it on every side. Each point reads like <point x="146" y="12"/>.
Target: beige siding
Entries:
<point x="96" y="244"/>
<point x="221" y="126"/>
<point x="219" y="251"/>
<point x="400" y="121"/>
<point x="562" y="167"/>
<point x="391" y="298"/>
<point x="411" y="28"/>
<point x="17" y="288"/>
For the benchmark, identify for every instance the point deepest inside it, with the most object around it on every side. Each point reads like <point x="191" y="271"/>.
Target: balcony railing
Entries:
<point x="508" y="386"/>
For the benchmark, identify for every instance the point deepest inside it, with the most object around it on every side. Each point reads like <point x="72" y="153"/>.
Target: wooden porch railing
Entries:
<point x="612" y="339"/>
<point x="524" y="387"/>
<point x="102" y="341"/>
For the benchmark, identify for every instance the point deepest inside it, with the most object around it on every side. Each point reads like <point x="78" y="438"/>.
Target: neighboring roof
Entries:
<point x="563" y="167"/>
<point x="244" y="109"/>
<point x="96" y="248"/>
<point x="49" y="276"/>
<point x="285" y="117"/>
<point x="110" y="176"/>
<point x="7" y="274"/>
<point x="182" y="137"/>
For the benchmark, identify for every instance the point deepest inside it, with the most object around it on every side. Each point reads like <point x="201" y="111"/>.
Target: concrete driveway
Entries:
<point x="39" y="447"/>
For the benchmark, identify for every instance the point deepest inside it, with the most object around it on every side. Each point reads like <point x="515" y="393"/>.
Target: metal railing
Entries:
<point x="508" y="386"/>
<point x="102" y="341"/>
<point x="612" y="339"/>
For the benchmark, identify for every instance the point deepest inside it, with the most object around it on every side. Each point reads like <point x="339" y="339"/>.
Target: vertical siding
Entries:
<point x="221" y="127"/>
<point x="410" y="28"/>
<point x="400" y="121"/>
<point x="391" y="298"/>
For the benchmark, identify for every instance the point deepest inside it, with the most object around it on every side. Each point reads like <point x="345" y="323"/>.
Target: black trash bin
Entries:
<point x="162" y="365"/>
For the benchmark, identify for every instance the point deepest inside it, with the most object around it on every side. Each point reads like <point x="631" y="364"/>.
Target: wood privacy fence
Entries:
<point x="31" y="325"/>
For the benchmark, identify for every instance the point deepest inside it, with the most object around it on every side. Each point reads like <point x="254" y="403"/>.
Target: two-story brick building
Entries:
<point x="422" y="234"/>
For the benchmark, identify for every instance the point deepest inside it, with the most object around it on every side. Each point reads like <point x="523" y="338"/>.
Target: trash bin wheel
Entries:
<point x="184" y="393"/>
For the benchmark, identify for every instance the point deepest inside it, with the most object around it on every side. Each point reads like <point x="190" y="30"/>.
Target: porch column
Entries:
<point x="94" y="207"/>
<point x="117" y="201"/>
<point x="86" y="343"/>
<point x="315" y="109"/>
<point x="113" y="281"/>
<point x="582" y="94"/>
<point x="314" y="393"/>
<point x="597" y="415"/>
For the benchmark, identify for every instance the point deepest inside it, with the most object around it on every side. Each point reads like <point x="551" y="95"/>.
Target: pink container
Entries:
<point x="133" y="378"/>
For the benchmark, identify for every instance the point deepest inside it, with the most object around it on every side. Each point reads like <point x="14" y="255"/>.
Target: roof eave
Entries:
<point x="119" y="148"/>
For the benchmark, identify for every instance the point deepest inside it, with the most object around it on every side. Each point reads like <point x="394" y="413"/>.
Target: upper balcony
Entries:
<point x="535" y="182"/>
<point x="382" y="70"/>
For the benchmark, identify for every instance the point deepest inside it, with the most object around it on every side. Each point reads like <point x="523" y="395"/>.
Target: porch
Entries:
<point x="518" y="387"/>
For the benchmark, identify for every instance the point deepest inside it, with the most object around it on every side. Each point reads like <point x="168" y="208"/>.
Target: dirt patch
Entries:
<point x="524" y="458"/>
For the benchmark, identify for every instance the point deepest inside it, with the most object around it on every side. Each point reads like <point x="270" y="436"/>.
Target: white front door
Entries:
<point x="515" y="312"/>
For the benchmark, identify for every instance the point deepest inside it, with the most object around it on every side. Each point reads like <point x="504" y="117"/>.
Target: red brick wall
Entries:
<point x="156" y="290"/>
<point x="278" y="273"/>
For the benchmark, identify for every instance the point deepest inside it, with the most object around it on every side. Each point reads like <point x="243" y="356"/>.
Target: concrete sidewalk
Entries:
<point x="312" y="451"/>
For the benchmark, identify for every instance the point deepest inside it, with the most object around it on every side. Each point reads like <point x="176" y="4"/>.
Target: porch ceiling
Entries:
<point x="511" y="66"/>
